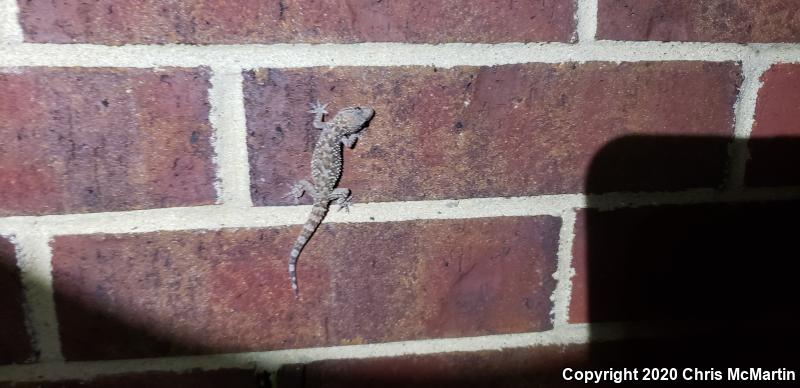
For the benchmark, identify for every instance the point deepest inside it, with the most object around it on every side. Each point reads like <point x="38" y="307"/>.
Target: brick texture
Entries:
<point x="775" y="139"/>
<point x="233" y="378"/>
<point x="200" y="292"/>
<point x="707" y="20"/>
<point x="15" y="342"/>
<point x="76" y="140"/>
<point x="330" y="21"/>
<point x="520" y="367"/>
<point x="489" y="131"/>
<point x="729" y="263"/>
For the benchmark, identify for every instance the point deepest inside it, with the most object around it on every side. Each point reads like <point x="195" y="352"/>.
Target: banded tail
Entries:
<point x="318" y="212"/>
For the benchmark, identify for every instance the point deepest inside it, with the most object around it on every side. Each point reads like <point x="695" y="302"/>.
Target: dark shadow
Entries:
<point x="15" y="344"/>
<point x="713" y="284"/>
<point x="235" y="378"/>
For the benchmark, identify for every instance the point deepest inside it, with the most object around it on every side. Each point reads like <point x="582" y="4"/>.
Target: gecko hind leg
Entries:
<point x="341" y="197"/>
<point x="298" y="189"/>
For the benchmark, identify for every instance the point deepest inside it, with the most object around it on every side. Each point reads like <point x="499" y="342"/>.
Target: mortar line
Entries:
<point x="744" y="117"/>
<point x="10" y="28"/>
<point x="228" y="121"/>
<point x="564" y="270"/>
<point x="216" y="217"/>
<point x="586" y="17"/>
<point x="239" y="57"/>
<point x="272" y="360"/>
<point x="35" y="264"/>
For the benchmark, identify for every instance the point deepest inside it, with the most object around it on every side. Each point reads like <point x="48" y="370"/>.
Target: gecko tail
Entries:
<point x="317" y="214"/>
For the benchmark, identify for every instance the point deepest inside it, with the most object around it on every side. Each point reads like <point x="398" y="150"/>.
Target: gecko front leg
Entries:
<point x="350" y="140"/>
<point x="319" y="111"/>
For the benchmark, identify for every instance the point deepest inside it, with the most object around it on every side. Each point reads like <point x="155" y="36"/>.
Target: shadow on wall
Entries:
<point x="702" y="285"/>
<point x="706" y="285"/>
<point x="15" y="346"/>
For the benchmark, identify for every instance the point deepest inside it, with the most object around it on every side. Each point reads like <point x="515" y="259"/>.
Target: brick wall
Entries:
<point x="542" y="183"/>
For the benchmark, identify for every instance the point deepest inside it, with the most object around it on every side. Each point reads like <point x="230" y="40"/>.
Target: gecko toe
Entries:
<point x="318" y="108"/>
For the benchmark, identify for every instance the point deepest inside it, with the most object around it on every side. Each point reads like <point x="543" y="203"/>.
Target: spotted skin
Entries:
<point x="326" y="169"/>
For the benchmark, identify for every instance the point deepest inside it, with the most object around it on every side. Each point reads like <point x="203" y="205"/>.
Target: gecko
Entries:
<point x="326" y="169"/>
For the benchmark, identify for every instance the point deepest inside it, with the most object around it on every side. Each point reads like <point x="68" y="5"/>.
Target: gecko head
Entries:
<point x="353" y="118"/>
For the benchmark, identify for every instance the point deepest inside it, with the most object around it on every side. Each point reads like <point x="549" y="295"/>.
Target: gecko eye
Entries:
<point x="358" y="108"/>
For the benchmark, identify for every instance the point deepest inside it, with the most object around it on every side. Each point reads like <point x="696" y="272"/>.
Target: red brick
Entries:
<point x="580" y="298"/>
<point x="90" y="140"/>
<point x="198" y="292"/>
<point x="331" y="21"/>
<point x="775" y="139"/>
<point x="519" y="367"/>
<point x="15" y="342"/>
<point x="707" y="21"/>
<point x="730" y="263"/>
<point x="487" y="131"/>
<point x="234" y="378"/>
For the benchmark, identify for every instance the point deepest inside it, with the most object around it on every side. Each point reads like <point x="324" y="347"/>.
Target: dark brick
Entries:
<point x="487" y="131"/>
<point x="197" y="292"/>
<point x="775" y="139"/>
<point x="234" y="378"/>
<point x="732" y="264"/>
<point x="15" y="342"/>
<point x="519" y="367"/>
<point x="90" y="140"/>
<point x="707" y="21"/>
<point x="251" y="21"/>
